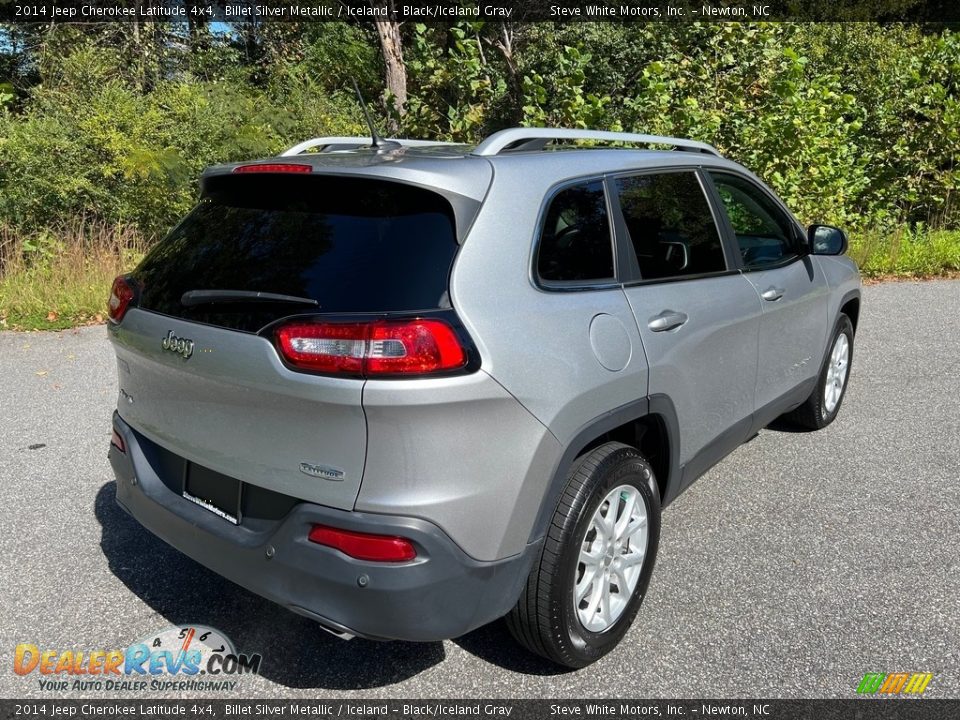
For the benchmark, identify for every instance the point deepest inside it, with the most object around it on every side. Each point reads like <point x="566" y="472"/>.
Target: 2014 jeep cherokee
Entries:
<point x="410" y="388"/>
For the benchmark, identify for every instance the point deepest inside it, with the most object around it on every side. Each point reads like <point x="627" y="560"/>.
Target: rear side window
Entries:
<point x="670" y="225"/>
<point x="575" y="242"/>
<point x="350" y="245"/>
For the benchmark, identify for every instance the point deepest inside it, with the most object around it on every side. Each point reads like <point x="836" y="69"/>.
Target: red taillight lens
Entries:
<point x="387" y="347"/>
<point x="364" y="546"/>
<point x="274" y="168"/>
<point x="117" y="441"/>
<point x="415" y="346"/>
<point x="120" y="296"/>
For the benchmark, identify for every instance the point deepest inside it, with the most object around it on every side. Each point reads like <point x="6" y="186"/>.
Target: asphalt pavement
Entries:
<point x="792" y="568"/>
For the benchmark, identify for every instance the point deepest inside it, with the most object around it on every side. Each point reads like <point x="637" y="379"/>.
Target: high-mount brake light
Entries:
<point x="364" y="546"/>
<point x="274" y="168"/>
<point x="120" y="296"/>
<point x="370" y="349"/>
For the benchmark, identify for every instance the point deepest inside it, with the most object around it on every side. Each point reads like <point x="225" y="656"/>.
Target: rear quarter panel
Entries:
<point x="537" y="343"/>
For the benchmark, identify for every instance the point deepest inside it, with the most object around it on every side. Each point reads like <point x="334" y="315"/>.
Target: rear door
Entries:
<point x="698" y="318"/>
<point x="794" y="295"/>
<point x="198" y="369"/>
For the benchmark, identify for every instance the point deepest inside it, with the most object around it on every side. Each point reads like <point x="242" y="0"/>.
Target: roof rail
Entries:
<point x="518" y="138"/>
<point x="330" y="144"/>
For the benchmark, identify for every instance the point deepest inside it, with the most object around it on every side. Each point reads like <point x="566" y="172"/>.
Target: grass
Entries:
<point x="61" y="278"/>
<point x="907" y="254"/>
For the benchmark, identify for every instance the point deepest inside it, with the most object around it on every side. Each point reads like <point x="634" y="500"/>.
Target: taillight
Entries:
<point x="364" y="546"/>
<point x="120" y="296"/>
<point x="117" y="441"/>
<point x="274" y="168"/>
<point x="385" y="347"/>
<point x="413" y="346"/>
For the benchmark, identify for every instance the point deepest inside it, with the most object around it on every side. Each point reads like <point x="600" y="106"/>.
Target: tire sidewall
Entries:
<point x="623" y="468"/>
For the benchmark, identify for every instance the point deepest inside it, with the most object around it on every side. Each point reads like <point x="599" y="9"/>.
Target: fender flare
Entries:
<point x="659" y="405"/>
<point x="854" y="294"/>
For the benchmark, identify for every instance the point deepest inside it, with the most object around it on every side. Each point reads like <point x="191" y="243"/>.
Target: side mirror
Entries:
<point x="826" y="240"/>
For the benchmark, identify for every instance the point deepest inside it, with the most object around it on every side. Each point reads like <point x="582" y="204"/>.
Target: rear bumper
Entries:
<point x="442" y="594"/>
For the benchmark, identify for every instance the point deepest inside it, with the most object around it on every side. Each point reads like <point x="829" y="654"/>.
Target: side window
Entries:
<point x="575" y="243"/>
<point x="670" y="225"/>
<point x="765" y="234"/>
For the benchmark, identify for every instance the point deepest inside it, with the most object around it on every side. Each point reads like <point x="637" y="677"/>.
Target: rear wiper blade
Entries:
<point x="204" y="297"/>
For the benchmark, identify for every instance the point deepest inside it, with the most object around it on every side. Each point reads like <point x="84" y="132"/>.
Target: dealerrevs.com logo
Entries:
<point x="894" y="683"/>
<point x="194" y="657"/>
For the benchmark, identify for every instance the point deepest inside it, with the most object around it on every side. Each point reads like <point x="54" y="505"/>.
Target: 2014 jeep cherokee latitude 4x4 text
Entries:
<point x="407" y="389"/>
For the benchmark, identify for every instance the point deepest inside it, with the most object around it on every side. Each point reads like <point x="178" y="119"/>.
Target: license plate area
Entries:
<point x="220" y="494"/>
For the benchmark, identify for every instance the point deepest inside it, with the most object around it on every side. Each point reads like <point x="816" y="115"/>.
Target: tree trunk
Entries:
<point x="388" y="31"/>
<point x="197" y="27"/>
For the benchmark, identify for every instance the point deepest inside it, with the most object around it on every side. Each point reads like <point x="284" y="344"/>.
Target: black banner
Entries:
<point x="847" y="709"/>
<point x="238" y="11"/>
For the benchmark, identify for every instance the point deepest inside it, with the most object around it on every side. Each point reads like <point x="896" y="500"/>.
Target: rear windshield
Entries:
<point x="351" y="245"/>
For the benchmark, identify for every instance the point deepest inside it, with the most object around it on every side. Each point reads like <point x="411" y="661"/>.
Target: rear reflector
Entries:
<point x="117" y="441"/>
<point x="364" y="546"/>
<point x="120" y="296"/>
<point x="274" y="168"/>
<point x="386" y="347"/>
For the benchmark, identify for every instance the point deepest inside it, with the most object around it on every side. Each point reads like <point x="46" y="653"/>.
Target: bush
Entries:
<point x="855" y="124"/>
<point x="906" y="253"/>
<point x="104" y="132"/>
<point x="61" y="277"/>
<point x="93" y="146"/>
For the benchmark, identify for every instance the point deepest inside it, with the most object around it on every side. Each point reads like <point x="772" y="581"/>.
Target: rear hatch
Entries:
<point x="199" y="373"/>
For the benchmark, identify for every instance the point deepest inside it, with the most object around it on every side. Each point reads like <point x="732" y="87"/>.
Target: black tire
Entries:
<point x="813" y="414"/>
<point x="545" y="620"/>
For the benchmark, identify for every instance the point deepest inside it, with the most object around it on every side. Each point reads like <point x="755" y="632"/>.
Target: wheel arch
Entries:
<point x="850" y="306"/>
<point x="648" y="424"/>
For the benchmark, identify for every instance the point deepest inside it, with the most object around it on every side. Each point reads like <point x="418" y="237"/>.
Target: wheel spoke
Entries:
<point x="624" y="520"/>
<point x="593" y="556"/>
<point x="635" y="527"/>
<point x="605" y="604"/>
<point x="604" y="523"/>
<point x="595" y="597"/>
<point x="622" y="585"/>
<point x="586" y="582"/>
<point x="634" y="558"/>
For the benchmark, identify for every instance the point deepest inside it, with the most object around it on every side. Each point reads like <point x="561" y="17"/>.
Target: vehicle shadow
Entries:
<point x="297" y="653"/>
<point x="494" y="644"/>
<point x="785" y="426"/>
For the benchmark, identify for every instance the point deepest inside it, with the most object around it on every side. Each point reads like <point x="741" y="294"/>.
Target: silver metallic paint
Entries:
<point x="475" y="453"/>
<point x="236" y="409"/>
<point x="460" y="451"/>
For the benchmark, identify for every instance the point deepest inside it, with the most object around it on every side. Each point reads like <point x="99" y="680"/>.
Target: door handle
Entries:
<point x="772" y="293"/>
<point x="667" y="320"/>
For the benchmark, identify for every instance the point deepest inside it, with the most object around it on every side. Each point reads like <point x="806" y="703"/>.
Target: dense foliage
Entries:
<point x="858" y="124"/>
<point x="110" y="125"/>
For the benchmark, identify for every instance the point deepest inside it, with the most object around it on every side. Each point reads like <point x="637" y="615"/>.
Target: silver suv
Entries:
<point x="409" y="388"/>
